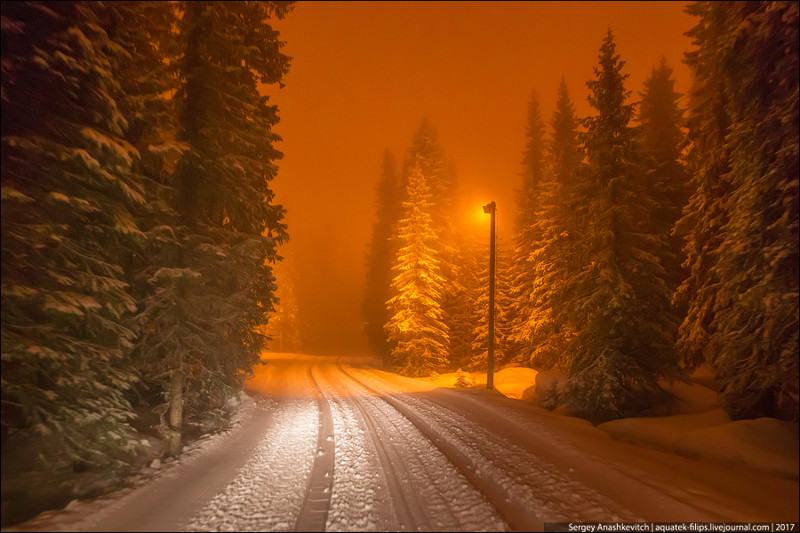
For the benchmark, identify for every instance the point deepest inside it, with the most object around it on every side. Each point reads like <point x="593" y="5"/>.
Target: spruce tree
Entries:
<point x="427" y="152"/>
<point x="565" y="153"/>
<point x="752" y="55"/>
<point x="527" y="237"/>
<point x="415" y="327"/>
<point x="144" y="31"/>
<point x="661" y="139"/>
<point x="380" y="255"/>
<point x="708" y="164"/>
<point x="206" y="304"/>
<point x="547" y="330"/>
<point x="619" y="300"/>
<point x="69" y="194"/>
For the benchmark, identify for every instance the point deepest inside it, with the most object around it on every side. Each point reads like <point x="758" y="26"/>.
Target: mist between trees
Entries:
<point x="648" y="239"/>
<point x="139" y="228"/>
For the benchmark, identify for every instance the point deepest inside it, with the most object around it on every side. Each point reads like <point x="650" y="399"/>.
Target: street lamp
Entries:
<point x="491" y="208"/>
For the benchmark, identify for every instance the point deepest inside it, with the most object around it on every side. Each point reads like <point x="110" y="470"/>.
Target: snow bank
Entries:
<point x="704" y="375"/>
<point x="767" y="444"/>
<point x="512" y="381"/>
<point x="692" y="398"/>
<point x="665" y="432"/>
<point x="516" y="382"/>
<point x="702" y="430"/>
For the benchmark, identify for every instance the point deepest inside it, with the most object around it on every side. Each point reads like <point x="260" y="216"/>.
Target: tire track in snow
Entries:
<point x="316" y="505"/>
<point x="428" y="491"/>
<point x="268" y="491"/>
<point x="390" y="462"/>
<point x="359" y="495"/>
<point x="525" y="489"/>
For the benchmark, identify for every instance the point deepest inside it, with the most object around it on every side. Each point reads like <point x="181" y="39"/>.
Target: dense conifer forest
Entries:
<point x="649" y="239"/>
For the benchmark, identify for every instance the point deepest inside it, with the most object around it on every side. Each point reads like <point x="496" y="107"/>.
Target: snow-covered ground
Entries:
<point x="221" y="482"/>
<point x="658" y="486"/>
<point x="423" y="454"/>
<point x="388" y="475"/>
<point x="698" y="429"/>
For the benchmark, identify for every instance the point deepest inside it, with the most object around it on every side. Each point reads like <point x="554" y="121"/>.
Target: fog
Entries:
<point x="363" y="76"/>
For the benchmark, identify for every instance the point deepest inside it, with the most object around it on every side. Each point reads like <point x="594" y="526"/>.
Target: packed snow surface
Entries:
<point x="415" y="454"/>
<point x="267" y="493"/>
<point x="376" y="444"/>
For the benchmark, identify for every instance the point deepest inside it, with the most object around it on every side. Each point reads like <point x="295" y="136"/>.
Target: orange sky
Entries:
<point x="364" y="74"/>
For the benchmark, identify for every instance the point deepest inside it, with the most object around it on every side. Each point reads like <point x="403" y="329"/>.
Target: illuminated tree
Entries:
<point x="527" y="236"/>
<point x="619" y="302"/>
<point x="134" y="239"/>
<point x="69" y="198"/>
<point x="546" y="329"/>
<point x="742" y="221"/>
<point x="416" y="328"/>
<point x="148" y="78"/>
<point x="427" y="152"/>
<point x="379" y="259"/>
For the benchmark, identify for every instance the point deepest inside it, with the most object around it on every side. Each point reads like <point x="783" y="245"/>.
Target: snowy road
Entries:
<point x="340" y="447"/>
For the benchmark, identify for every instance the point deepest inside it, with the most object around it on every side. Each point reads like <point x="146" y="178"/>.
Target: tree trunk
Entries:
<point x="175" y="412"/>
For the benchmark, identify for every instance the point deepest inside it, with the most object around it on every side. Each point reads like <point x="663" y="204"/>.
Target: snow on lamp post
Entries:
<point x="491" y="208"/>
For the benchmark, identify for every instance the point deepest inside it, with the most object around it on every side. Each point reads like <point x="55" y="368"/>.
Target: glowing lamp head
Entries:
<point x="489" y="208"/>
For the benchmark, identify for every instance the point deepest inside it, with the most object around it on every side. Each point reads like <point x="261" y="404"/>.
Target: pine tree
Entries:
<point x="564" y="149"/>
<point x="619" y="300"/>
<point x="287" y="315"/>
<point x="456" y="292"/>
<point x="379" y="259"/>
<point x="415" y="326"/>
<point x="754" y="339"/>
<point x="546" y="329"/>
<point x="427" y="152"/>
<point x="205" y="307"/>
<point x="527" y="238"/>
<point x="458" y="300"/>
<point x="661" y="139"/>
<point x="144" y="31"/>
<point x="708" y="164"/>
<point x="69" y="191"/>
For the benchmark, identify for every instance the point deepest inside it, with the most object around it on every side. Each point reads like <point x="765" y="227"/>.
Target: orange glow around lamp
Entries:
<point x="491" y="208"/>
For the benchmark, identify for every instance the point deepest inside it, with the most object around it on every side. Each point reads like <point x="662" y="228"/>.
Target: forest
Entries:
<point x="140" y="232"/>
<point x="138" y="225"/>
<point x="649" y="239"/>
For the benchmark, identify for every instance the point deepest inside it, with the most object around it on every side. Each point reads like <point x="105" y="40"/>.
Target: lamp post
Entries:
<point x="491" y="209"/>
